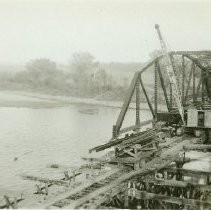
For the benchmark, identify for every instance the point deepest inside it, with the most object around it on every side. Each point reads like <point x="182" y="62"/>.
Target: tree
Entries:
<point x="42" y="72"/>
<point x="83" y="62"/>
<point x="41" y="65"/>
<point x="84" y="65"/>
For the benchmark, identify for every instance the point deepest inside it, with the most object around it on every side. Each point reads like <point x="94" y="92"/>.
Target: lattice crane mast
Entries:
<point x="171" y="74"/>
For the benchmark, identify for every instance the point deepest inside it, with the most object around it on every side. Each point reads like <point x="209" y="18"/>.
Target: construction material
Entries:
<point x="139" y="137"/>
<point x="171" y="199"/>
<point x="197" y="147"/>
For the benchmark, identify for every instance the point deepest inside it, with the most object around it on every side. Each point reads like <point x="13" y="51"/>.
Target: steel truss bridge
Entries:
<point x="143" y="155"/>
<point x="193" y="70"/>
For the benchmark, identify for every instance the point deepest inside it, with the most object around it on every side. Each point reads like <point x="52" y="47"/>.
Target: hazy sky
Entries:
<point x="110" y="30"/>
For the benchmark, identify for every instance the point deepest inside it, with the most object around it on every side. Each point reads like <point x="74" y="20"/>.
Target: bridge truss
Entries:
<point x="139" y="157"/>
<point x="193" y="71"/>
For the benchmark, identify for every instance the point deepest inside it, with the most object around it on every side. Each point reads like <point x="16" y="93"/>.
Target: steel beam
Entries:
<point x="194" y="83"/>
<point x="183" y="79"/>
<point x="189" y="80"/>
<point x="203" y="52"/>
<point x="147" y="98"/>
<point x="196" y="61"/>
<point x="115" y="142"/>
<point x="199" y="85"/>
<point x="126" y="103"/>
<point x="137" y="105"/>
<point x="170" y="96"/>
<point x="163" y="85"/>
<point x="202" y="87"/>
<point x="197" y="147"/>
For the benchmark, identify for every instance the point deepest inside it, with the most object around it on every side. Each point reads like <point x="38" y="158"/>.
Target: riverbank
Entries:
<point x="26" y="99"/>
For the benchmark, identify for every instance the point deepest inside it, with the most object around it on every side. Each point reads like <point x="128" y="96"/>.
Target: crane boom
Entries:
<point x="171" y="74"/>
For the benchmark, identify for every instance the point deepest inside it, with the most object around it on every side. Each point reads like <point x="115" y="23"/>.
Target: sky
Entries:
<point x="112" y="31"/>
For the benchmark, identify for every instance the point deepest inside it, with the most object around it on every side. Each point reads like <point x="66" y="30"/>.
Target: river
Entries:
<point x="34" y="138"/>
<point x="43" y="136"/>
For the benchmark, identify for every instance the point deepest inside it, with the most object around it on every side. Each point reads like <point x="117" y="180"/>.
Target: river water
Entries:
<point x="60" y="135"/>
<point x="43" y="136"/>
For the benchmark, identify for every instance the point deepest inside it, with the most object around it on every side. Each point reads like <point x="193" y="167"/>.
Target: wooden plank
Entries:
<point x="112" y="185"/>
<point x="197" y="147"/>
<point x="165" y="182"/>
<point x="156" y="164"/>
<point x="51" y="182"/>
<point x="170" y="199"/>
<point x="187" y="172"/>
<point x="10" y="202"/>
<point x="45" y="180"/>
<point x="176" y="183"/>
<point x="131" y="159"/>
<point x="79" y="189"/>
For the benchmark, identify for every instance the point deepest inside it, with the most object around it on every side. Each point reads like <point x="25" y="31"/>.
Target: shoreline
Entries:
<point x="25" y="99"/>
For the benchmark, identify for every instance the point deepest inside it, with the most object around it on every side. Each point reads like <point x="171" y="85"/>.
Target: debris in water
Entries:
<point x="54" y="165"/>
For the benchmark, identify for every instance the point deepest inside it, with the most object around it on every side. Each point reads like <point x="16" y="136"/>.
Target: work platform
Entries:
<point x="118" y="186"/>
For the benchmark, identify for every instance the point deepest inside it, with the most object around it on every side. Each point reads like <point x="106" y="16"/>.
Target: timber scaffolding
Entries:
<point x="145" y="169"/>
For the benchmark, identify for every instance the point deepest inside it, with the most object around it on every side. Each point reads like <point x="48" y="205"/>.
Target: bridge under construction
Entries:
<point x="144" y="169"/>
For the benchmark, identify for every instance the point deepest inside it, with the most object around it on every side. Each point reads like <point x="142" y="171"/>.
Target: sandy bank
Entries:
<point x="38" y="100"/>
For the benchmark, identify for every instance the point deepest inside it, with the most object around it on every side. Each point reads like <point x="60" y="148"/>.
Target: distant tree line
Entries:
<point x="85" y="77"/>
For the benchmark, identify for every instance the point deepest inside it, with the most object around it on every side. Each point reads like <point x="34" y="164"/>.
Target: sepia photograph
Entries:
<point x="105" y="104"/>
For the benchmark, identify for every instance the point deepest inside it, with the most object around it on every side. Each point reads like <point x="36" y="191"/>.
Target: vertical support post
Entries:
<point x="137" y="104"/>
<point x="156" y="88"/>
<point x="171" y="98"/>
<point x="114" y="133"/>
<point x="194" y="83"/>
<point x="163" y="86"/>
<point x="189" y="81"/>
<point x="202" y="86"/>
<point x="73" y="176"/>
<point x="208" y="179"/>
<point x="126" y="200"/>
<point x="147" y="98"/>
<point x="165" y="175"/>
<point x="183" y="80"/>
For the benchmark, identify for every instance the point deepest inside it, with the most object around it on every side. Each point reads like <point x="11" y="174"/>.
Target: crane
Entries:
<point x="171" y="74"/>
